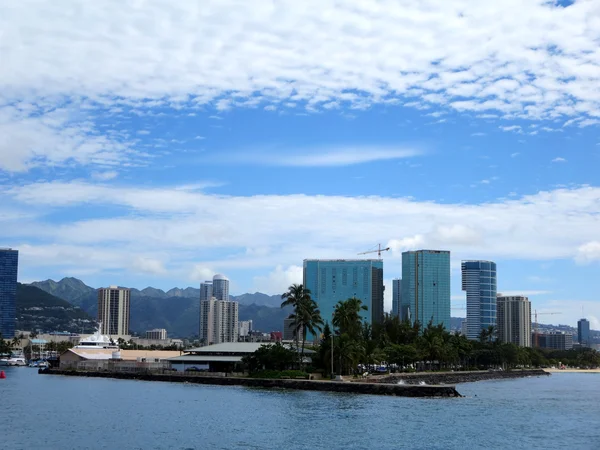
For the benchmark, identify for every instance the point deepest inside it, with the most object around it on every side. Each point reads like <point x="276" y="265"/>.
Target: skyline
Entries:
<point x="157" y="144"/>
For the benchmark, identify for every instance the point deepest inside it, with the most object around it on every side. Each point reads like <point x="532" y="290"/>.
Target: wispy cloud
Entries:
<point x="559" y="159"/>
<point x="325" y="157"/>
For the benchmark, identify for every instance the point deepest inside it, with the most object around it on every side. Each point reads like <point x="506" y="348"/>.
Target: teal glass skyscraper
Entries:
<point x="426" y="287"/>
<point x="330" y="281"/>
<point x="9" y="264"/>
<point x="479" y="282"/>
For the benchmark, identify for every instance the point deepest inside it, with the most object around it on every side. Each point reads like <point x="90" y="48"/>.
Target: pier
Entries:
<point x="397" y="390"/>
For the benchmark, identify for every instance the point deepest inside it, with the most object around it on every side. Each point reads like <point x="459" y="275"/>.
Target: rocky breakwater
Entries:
<point x="392" y="389"/>
<point x="441" y="378"/>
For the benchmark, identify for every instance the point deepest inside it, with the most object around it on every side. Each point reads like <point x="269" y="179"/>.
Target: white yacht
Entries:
<point x="97" y="340"/>
<point x="17" y="360"/>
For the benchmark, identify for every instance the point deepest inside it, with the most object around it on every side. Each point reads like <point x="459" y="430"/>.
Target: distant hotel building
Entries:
<point x="289" y="332"/>
<point x="156" y="334"/>
<point x="583" y="333"/>
<point x="113" y="310"/>
<point x="555" y="341"/>
<point x="9" y="267"/>
<point x="218" y="316"/>
<point x="244" y="328"/>
<point x="397" y="297"/>
<point x="514" y="320"/>
<point x="330" y="281"/>
<point x="479" y="282"/>
<point x="426" y="287"/>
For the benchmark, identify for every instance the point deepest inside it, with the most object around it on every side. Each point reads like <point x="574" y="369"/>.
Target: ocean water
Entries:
<point x="561" y="411"/>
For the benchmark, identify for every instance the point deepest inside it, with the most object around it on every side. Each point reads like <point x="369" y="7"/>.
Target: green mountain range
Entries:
<point x="176" y="310"/>
<point x="39" y="310"/>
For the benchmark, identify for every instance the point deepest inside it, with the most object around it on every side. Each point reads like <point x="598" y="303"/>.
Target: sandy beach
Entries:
<point x="573" y="370"/>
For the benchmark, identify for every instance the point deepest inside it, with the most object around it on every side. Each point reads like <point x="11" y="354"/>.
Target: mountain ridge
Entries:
<point x="176" y="310"/>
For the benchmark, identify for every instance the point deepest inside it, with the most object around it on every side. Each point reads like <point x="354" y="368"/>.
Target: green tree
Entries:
<point x="295" y="294"/>
<point x="270" y="357"/>
<point x="347" y="318"/>
<point x="307" y="318"/>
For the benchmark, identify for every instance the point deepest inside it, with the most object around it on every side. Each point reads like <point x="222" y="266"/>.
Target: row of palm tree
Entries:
<point x="401" y="344"/>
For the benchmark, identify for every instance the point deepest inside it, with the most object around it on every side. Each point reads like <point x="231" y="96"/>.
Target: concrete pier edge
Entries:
<point x="398" y="390"/>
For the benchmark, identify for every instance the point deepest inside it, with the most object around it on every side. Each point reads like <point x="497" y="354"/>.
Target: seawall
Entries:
<point x="397" y="390"/>
<point x="441" y="378"/>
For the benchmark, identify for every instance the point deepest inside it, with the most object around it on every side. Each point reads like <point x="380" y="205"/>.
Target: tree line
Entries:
<point x="398" y="345"/>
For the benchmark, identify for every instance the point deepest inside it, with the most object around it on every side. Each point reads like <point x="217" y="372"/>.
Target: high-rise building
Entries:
<point x="514" y="319"/>
<point x="9" y="267"/>
<point x="289" y="331"/>
<point x="244" y="328"/>
<point x="113" y="310"/>
<point x="158" y="334"/>
<point x="479" y="282"/>
<point x="218" y="321"/>
<point x="397" y="297"/>
<point x="220" y="287"/>
<point x="583" y="333"/>
<point x="426" y="286"/>
<point x="331" y="281"/>
<point x="206" y="293"/>
<point x="558" y="340"/>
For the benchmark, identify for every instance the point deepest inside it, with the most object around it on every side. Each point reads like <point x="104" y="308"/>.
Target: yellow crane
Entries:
<point x="535" y="333"/>
<point x="378" y="251"/>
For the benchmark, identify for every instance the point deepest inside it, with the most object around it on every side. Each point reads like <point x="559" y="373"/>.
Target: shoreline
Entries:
<point x="572" y="370"/>
<point x="389" y="389"/>
<point x="440" y="378"/>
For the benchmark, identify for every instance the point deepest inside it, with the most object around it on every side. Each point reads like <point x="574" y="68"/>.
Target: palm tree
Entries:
<point x="308" y="319"/>
<point x="346" y="317"/>
<point x="16" y="342"/>
<point x="306" y="316"/>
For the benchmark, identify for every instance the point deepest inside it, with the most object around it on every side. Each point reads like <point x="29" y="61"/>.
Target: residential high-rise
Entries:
<point x="159" y="334"/>
<point x="330" y="281"/>
<point x="113" y="310"/>
<point x="9" y="267"/>
<point x="289" y="331"/>
<point x="479" y="282"/>
<point x="583" y="333"/>
<point x="206" y="293"/>
<point x="220" y="287"/>
<point x="244" y="328"/>
<point x="426" y="286"/>
<point x="218" y="321"/>
<point x="514" y="320"/>
<point x="397" y="297"/>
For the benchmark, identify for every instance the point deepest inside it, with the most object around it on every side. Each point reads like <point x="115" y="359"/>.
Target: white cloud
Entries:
<point x="559" y="160"/>
<point x="202" y="232"/>
<point x="514" y="155"/>
<point x="478" y="134"/>
<point x="588" y="252"/>
<point x="150" y="266"/>
<point x="105" y="176"/>
<point x="511" y="128"/>
<point x="278" y="280"/>
<point x="324" y="157"/>
<point x="310" y="53"/>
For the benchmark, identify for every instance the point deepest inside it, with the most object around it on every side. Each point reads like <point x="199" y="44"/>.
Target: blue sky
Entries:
<point x="146" y="143"/>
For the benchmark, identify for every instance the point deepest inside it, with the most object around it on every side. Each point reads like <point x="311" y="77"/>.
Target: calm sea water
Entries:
<point x="54" y="412"/>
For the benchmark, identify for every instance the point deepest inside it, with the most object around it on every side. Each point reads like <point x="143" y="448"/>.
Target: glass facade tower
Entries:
<point x="583" y="333"/>
<point x="426" y="287"/>
<point x="9" y="266"/>
<point x="479" y="282"/>
<point x="330" y="281"/>
<point x="396" y="297"/>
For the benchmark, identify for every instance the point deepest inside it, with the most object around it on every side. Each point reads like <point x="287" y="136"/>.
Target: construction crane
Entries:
<point x="378" y="251"/>
<point x="535" y="333"/>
